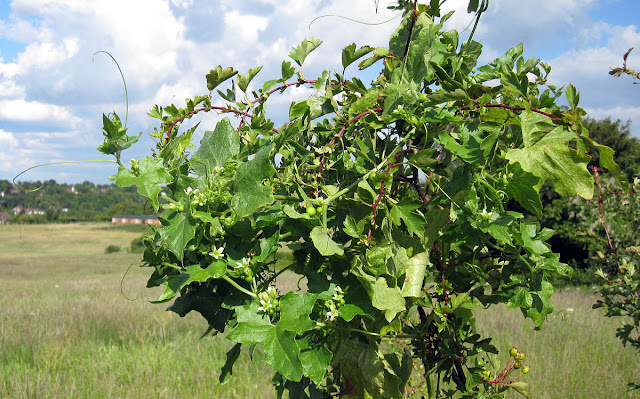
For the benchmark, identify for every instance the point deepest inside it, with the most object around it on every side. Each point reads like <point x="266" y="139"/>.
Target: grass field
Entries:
<point x="69" y="329"/>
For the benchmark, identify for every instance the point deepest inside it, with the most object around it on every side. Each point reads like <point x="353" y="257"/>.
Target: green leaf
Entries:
<point x="315" y="363"/>
<point x="115" y="136"/>
<point x="300" y="53"/>
<point x="287" y="70"/>
<point x="425" y="159"/>
<point x="521" y="298"/>
<point x="403" y="212"/>
<point x="416" y="268"/>
<point x="243" y="81"/>
<point x="551" y="159"/>
<point x="426" y="50"/>
<point x="350" y="54"/>
<point x="282" y="353"/>
<point x="150" y="173"/>
<point x="473" y="6"/>
<point x="298" y="109"/>
<point x="364" y="103"/>
<point x="573" y="97"/>
<point x="201" y="299"/>
<point x="251" y="193"/>
<point x="470" y="150"/>
<point x="219" y="75"/>
<point x="534" y="127"/>
<point x="387" y="299"/>
<point x="251" y="325"/>
<point x="541" y="305"/>
<point x="607" y="162"/>
<point x="530" y="241"/>
<point x="353" y="228"/>
<point x="295" y="310"/>
<point x="521" y="187"/>
<point x="324" y="244"/>
<point x="227" y="368"/>
<point x="176" y="231"/>
<point x="216" y="147"/>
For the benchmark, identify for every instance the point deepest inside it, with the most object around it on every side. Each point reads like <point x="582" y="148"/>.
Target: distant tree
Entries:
<point x="52" y="213"/>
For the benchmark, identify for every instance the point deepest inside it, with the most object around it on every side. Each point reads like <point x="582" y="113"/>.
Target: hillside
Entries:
<point x="40" y="202"/>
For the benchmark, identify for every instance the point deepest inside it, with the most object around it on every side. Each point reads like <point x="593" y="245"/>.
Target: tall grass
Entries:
<point x="69" y="330"/>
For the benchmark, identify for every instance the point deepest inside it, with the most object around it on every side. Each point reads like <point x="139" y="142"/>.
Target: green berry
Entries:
<point x="513" y="352"/>
<point x="319" y="209"/>
<point x="311" y="211"/>
<point x="525" y="369"/>
<point x="519" y="356"/>
<point x="275" y="303"/>
<point x="517" y="365"/>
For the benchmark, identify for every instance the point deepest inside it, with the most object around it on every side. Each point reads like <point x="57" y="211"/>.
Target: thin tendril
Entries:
<point x="126" y="93"/>
<point x="352" y="20"/>
<point x="122" y="282"/>
<point x="52" y="163"/>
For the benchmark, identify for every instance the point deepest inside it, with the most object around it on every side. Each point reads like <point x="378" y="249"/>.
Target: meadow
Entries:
<point x="75" y="324"/>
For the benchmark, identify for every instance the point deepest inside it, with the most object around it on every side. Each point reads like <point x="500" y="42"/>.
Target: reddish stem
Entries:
<point x="596" y="172"/>
<point x="339" y="136"/>
<point x="510" y="108"/>
<point x="224" y="109"/>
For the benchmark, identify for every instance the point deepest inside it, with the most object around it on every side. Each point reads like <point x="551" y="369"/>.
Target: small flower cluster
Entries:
<point x="243" y="269"/>
<point x="334" y="304"/>
<point x="197" y="197"/>
<point x="268" y="301"/>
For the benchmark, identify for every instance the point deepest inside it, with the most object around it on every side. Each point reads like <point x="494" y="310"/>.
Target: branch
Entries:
<point x="510" y="108"/>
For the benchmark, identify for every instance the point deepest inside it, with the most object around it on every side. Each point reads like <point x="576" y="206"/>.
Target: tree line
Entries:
<point x="49" y="201"/>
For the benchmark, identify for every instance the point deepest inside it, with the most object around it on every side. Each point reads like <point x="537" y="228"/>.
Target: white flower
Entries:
<point x="486" y="215"/>
<point x="217" y="253"/>
<point x="188" y="190"/>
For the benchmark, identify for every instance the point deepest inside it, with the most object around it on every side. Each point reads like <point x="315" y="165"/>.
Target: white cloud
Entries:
<point x="624" y="113"/>
<point x="7" y="139"/>
<point x="247" y="26"/>
<point x="45" y="55"/>
<point x="32" y="111"/>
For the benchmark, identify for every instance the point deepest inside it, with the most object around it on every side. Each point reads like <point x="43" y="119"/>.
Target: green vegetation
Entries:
<point x="55" y="202"/>
<point x="397" y="269"/>
<point x="66" y="330"/>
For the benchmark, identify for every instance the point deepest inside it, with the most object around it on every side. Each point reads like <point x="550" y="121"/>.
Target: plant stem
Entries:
<point x="239" y="287"/>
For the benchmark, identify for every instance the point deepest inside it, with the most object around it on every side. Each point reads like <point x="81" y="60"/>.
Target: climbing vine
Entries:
<point x="400" y="200"/>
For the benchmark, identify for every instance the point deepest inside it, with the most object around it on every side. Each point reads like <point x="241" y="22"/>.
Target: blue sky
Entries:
<point x="52" y="95"/>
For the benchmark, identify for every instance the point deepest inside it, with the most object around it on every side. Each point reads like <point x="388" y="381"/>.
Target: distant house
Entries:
<point x="27" y="211"/>
<point x="135" y="219"/>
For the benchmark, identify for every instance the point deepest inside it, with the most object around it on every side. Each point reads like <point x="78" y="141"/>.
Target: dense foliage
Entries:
<point x="56" y="202"/>
<point x="393" y="197"/>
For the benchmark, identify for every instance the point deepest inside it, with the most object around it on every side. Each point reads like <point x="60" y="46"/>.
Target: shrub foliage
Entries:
<point x="392" y="196"/>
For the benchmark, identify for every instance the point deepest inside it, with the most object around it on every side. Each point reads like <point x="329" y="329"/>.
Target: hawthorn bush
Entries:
<point x="395" y="197"/>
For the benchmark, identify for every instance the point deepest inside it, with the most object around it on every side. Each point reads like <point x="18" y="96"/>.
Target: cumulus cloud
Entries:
<point x="25" y="111"/>
<point x="46" y="55"/>
<point x="245" y="25"/>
